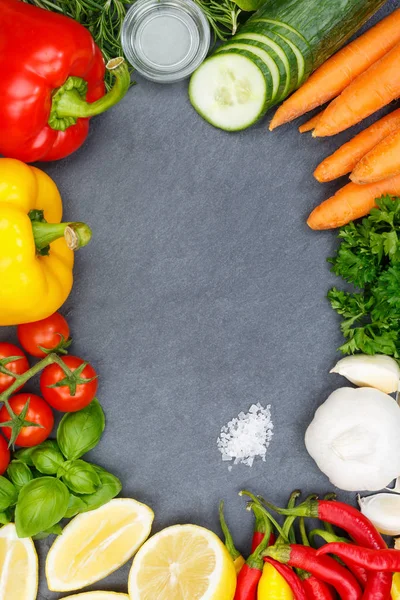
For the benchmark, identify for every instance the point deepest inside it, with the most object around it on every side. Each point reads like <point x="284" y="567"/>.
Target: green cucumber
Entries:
<point x="298" y="44"/>
<point x="325" y="24"/>
<point x="291" y="74"/>
<point x="278" y="77"/>
<point x="230" y="90"/>
<point x="302" y="33"/>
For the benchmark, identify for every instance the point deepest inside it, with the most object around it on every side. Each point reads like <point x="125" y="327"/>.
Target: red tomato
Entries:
<point x="4" y="455"/>
<point x="38" y="412"/>
<point x="63" y="397"/>
<point x="17" y="366"/>
<point x="51" y="334"/>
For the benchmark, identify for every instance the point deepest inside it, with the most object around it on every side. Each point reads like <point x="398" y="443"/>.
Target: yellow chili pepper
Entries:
<point x="36" y="250"/>
<point x="272" y="586"/>
<point x="396" y="587"/>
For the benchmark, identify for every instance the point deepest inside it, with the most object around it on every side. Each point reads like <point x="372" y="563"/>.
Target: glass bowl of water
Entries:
<point x="165" y="40"/>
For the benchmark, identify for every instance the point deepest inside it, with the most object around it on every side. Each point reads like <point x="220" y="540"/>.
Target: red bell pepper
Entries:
<point x="52" y="82"/>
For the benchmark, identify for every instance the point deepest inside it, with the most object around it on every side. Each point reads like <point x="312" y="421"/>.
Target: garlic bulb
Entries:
<point x="384" y="512"/>
<point x="376" y="371"/>
<point x="355" y="439"/>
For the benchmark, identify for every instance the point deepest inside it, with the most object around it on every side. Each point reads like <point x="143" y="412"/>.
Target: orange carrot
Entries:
<point x="341" y="69"/>
<point x="310" y="124"/>
<point x="347" y="156"/>
<point x="351" y="202"/>
<point x="382" y="162"/>
<point x="372" y="90"/>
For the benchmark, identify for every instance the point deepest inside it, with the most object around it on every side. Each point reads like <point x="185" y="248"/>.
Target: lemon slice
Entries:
<point x="97" y="596"/>
<point x="96" y="543"/>
<point x="183" y="562"/>
<point x="18" y="566"/>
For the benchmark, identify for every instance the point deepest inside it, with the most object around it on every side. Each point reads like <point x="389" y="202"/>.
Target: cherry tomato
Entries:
<point x="52" y="334"/>
<point x="18" y="366"/>
<point x="38" y="412"/>
<point x="79" y="390"/>
<point x="4" y="455"/>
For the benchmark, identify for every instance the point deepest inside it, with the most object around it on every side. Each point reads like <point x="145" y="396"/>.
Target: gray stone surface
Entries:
<point x="202" y="292"/>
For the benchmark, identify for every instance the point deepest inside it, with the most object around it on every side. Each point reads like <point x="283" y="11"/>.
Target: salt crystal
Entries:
<point x="247" y="436"/>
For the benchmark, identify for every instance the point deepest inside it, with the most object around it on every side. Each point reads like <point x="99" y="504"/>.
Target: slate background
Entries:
<point x="202" y="292"/>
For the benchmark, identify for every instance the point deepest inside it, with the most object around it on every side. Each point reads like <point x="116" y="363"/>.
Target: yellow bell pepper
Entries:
<point x="396" y="587"/>
<point x="272" y="585"/>
<point x="36" y="250"/>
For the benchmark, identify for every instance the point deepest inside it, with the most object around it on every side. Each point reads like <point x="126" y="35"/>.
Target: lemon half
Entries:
<point x="18" y="566"/>
<point x="183" y="562"/>
<point x="96" y="543"/>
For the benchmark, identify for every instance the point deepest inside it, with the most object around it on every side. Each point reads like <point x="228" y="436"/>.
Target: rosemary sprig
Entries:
<point x="104" y="20"/>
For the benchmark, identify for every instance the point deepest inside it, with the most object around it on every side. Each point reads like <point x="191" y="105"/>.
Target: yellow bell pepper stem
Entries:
<point x="76" y="235"/>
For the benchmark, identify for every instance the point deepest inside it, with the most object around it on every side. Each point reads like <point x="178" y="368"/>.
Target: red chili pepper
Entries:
<point x="373" y="560"/>
<point x="306" y="558"/>
<point x="351" y="520"/>
<point x="379" y="586"/>
<point x="52" y="82"/>
<point x="251" y="572"/>
<point x="260" y="528"/>
<point x="237" y="558"/>
<point x="317" y="590"/>
<point x="293" y="581"/>
<point x="329" y="536"/>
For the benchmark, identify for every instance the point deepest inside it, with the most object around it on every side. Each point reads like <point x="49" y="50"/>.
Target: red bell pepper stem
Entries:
<point x="293" y="581"/>
<point x="359" y="573"/>
<point x="236" y="556"/>
<point x="250" y="575"/>
<point x="306" y="558"/>
<point x="316" y="589"/>
<point x="373" y="560"/>
<point x="69" y="101"/>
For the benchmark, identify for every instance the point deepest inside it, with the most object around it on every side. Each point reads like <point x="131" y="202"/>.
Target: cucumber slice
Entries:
<point x="297" y="42"/>
<point x="276" y="76"/>
<point x="230" y="91"/>
<point x="284" y="52"/>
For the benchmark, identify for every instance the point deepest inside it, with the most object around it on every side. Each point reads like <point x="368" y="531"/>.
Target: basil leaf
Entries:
<point x="55" y="530"/>
<point x="19" y="473"/>
<point x="6" y="517"/>
<point x="8" y="494"/>
<point x="75" y="506"/>
<point x="110" y="487"/>
<point x="81" y="431"/>
<point x="41" y="504"/>
<point x="80" y="477"/>
<point x="47" y="460"/>
<point x="25" y="454"/>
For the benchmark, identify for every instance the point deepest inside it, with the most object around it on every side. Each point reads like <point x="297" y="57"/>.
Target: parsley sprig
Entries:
<point x="369" y="258"/>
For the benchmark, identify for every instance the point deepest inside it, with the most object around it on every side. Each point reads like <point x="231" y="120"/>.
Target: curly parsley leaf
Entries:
<point x="369" y="258"/>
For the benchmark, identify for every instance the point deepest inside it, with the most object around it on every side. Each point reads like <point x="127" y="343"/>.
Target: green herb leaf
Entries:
<point x="110" y="487"/>
<point x="41" y="504"/>
<point x="25" y="454"/>
<point x="47" y="460"/>
<point x="80" y="477"/>
<point x="8" y="494"/>
<point x="55" y="530"/>
<point x="369" y="258"/>
<point x="75" y="506"/>
<point x="81" y="431"/>
<point x="19" y="473"/>
<point x="5" y="517"/>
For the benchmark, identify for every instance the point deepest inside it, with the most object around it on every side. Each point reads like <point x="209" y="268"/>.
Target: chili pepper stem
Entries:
<point x="76" y="235"/>
<point x="69" y="101"/>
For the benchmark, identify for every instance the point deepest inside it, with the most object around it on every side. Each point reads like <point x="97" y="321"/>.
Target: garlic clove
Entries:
<point x="377" y="371"/>
<point x="383" y="510"/>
